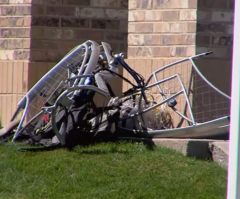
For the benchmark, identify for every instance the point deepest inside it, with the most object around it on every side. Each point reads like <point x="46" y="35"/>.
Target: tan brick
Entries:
<point x="14" y="43"/>
<point x="190" y="39"/>
<point x="14" y="102"/>
<point x="182" y="51"/>
<point x="25" y="22"/>
<point x="144" y="27"/>
<point x="178" y="27"/>
<point x="15" y="79"/>
<point x="12" y="108"/>
<point x="170" y="4"/>
<point x="150" y="39"/>
<point x="170" y="15"/>
<point x="187" y="15"/>
<point x="161" y="51"/>
<point x="15" y="10"/>
<point x="9" y="110"/>
<point x="20" y="77"/>
<point x="161" y="27"/>
<point x="16" y="1"/>
<point x="25" y="77"/>
<point x="157" y="63"/>
<point x="9" y="77"/>
<point x="131" y="28"/>
<point x="146" y="4"/>
<point x="15" y="21"/>
<point x="144" y="52"/>
<point x="21" y="54"/>
<point x="26" y="43"/>
<point x="132" y="4"/>
<point x="192" y="27"/>
<point x="178" y="51"/>
<point x="189" y="27"/>
<point x="136" y="15"/>
<point x="20" y="1"/>
<point x="1" y="108"/>
<point x="178" y="39"/>
<point x="4" y="109"/>
<point x="4" y="1"/>
<point x="134" y="39"/>
<point x="144" y="67"/>
<point x="140" y="51"/>
<point x="15" y="32"/>
<point x="192" y="3"/>
<point x="4" y="77"/>
<point x="153" y="15"/>
<point x="1" y="79"/>
<point x="191" y="50"/>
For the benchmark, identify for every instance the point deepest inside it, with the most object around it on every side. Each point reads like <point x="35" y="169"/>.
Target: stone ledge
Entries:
<point x="199" y="148"/>
<point x="219" y="150"/>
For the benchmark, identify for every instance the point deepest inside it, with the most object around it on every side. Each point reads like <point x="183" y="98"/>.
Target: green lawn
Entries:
<point x="112" y="170"/>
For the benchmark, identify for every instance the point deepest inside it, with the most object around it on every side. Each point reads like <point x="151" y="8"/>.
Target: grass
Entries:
<point x="109" y="170"/>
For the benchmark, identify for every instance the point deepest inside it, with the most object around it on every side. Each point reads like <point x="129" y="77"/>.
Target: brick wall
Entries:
<point x="59" y="25"/>
<point x="214" y="33"/>
<point x="15" y="22"/>
<point x="160" y="32"/>
<point x="163" y="29"/>
<point x="35" y="34"/>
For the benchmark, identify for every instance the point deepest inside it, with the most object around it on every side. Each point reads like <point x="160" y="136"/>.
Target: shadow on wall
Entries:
<point x="215" y="33"/>
<point x="58" y="26"/>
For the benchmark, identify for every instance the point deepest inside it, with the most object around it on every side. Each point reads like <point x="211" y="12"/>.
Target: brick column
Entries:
<point x="160" y="32"/>
<point x="15" y="22"/>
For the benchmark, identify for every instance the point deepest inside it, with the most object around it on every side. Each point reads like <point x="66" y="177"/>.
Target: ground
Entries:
<point x="108" y="170"/>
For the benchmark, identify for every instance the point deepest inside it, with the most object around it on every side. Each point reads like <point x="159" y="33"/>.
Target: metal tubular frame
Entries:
<point x="24" y="103"/>
<point x="76" y="83"/>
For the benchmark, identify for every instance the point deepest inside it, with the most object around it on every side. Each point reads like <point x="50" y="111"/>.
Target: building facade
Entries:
<point x="35" y="34"/>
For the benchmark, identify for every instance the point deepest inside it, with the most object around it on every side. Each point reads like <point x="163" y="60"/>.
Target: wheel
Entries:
<point x="76" y="115"/>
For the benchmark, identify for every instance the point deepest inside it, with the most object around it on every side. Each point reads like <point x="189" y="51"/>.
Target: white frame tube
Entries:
<point x="233" y="188"/>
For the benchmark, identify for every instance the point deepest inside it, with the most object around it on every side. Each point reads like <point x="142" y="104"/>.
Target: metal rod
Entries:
<point x="187" y="100"/>
<point x="209" y="83"/>
<point x="155" y="106"/>
<point x="17" y="133"/>
<point x="175" y="63"/>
